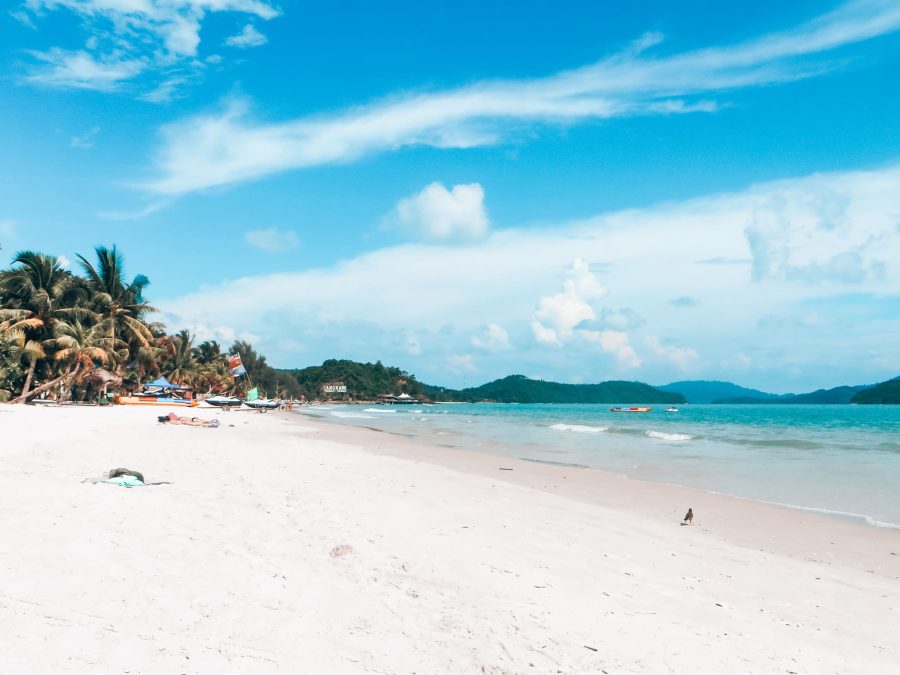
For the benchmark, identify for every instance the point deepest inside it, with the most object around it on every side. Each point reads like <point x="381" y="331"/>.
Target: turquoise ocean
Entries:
<point x="841" y="460"/>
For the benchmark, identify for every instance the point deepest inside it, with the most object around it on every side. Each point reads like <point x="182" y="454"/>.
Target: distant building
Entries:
<point x="390" y="399"/>
<point x="334" y="388"/>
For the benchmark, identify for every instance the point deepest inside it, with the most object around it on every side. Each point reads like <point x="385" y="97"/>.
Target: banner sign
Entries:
<point x="235" y="366"/>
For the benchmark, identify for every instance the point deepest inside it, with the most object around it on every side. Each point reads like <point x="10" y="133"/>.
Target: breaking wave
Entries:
<point x="352" y="415"/>
<point x="663" y="436"/>
<point x="579" y="428"/>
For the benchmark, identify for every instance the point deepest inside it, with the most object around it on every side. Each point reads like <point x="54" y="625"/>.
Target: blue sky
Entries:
<point x="576" y="191"/>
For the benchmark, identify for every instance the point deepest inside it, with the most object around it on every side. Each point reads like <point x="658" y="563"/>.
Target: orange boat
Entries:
<point x="632" y="409"/>
<point x="160" y="392"/>
<point x="156" y="400"/>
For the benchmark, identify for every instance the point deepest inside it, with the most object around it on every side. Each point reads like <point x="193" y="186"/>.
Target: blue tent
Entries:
<point x="162" y="382"/>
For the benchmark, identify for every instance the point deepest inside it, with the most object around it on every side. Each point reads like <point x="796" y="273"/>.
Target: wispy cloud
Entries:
<point x="152" y="207"/>
<point x="272" y="240"/>
<point x="85" y="140"/>
<point x="564" y="322"/>
<point x="129" y="38"/>
<point x="80" y="70"/>
<point x="229" y="146"/>
<point x="439" y="214"/>
<point x="249" y="37"/>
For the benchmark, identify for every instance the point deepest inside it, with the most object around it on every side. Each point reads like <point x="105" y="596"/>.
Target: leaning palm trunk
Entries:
<point x="67" y="377"/>
<point x="29" y="376"/>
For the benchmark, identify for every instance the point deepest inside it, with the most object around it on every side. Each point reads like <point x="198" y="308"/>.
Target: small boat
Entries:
<point x="633" y="409"/>
<point x="672" y="409"/>
<point x="141" y="399"/>
<point x="160" y="392"/>
<point x="263" y="404"/>
<point x="224" y="401"/>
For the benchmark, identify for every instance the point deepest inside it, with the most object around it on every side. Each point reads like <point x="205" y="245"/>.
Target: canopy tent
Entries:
<point x="163" y="383"/>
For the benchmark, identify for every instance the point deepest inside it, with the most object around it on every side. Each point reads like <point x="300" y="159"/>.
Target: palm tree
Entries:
<point x="79" y="349"/>
<point x="183" y="367"/>
<point x="36" y="292"/>
<point x="121" y="304"/>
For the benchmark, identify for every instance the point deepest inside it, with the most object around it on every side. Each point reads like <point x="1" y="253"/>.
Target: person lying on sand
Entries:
<point x="172" y="418"/>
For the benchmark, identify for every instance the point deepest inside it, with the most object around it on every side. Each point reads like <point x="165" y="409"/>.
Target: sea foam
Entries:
<point x="663" y="436"/>
<point x="580" y="428"/>
<point x="351" y="415"/>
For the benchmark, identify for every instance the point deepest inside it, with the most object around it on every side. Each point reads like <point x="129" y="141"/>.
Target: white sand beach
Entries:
<point x="280" y="544"/>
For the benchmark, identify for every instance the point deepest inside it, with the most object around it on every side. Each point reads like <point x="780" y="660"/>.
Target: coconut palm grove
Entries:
<point x="70" y="335"/>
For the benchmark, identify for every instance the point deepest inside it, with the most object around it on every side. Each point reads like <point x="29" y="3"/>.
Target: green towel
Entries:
<point x="125" y="481"/>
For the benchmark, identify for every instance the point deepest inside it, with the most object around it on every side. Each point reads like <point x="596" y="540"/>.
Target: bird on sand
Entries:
<point x="688" y="517"/>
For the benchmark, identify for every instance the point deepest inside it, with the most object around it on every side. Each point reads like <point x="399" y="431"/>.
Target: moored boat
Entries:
<point x="633" y="409"/>
<point x="155" y="400"/>
<point x="263" y="404"/>
<point x="160" y="392"/>
<point x="224" y="401"/>
<point x="672" y="409"/>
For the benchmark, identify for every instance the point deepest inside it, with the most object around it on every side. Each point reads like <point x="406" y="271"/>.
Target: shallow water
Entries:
<point x="838" y="459"/>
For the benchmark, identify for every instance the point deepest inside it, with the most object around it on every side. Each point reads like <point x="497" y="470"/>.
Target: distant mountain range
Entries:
<point x="711" y="391"/>
<point x="367" y="380"/>
<point x="521" y="389"/>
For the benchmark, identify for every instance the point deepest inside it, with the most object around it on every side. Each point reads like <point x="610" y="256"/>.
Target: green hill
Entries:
<point x="520" y="389"/>
<point x="886" y="392"/>
<point x="363" y="380"/>
<point x="835" y="395"/>
<point x="714" y="391"/>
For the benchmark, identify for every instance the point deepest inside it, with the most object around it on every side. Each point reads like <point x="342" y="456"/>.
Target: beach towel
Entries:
<point x="125" y="481"/>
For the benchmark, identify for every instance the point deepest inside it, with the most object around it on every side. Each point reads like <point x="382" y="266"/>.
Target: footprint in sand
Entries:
<point x="341" y="550"/>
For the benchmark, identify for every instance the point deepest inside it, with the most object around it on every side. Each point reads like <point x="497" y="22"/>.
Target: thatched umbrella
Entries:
<point x="102" y="379"/>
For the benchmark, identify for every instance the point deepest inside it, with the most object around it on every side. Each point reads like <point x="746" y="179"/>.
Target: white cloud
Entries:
<point x="412" y="345"/>
<point x="128" y="38"/>
<point x="492" y="338"/>
<point x="272" y="240"/>
<point x="615" y="342"/>
<point x="249" y="37"/>
<point x="228" y="147"/>
<point x="80" y="70"/>
<point x="463" y="363"/>
<point x="510" y="276"/>
<point x="167" y="90"/>
<point x="439" y="214"/>
<point x="85" y="140"/>
<point x="681" y="357"/>
<point x="152" y="207"/>
<point x="557" y="316"/>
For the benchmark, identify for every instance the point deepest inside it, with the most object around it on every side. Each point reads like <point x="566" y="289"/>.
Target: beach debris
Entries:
<point x="115" y="473"/>
<point x="593" y="649"/>
<point x="340" y="550"/>
<point x="504" y="468"/>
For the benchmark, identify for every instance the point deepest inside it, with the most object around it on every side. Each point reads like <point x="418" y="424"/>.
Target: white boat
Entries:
<point x="672" y="409"/>
<point x="224" y="401"/>
<point x="263" y="404"/>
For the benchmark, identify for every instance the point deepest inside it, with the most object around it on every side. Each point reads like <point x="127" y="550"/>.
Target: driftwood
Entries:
<point x="68" y="377"/>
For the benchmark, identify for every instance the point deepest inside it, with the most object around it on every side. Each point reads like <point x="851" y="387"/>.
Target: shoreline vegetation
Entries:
<point x="75" y="337"/>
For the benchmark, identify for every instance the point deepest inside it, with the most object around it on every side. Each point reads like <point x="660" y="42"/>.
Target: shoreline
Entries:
<point x="782" y="529"/>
